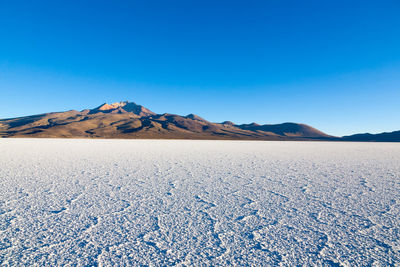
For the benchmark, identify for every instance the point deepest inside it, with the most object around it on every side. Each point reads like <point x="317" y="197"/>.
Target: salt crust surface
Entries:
<point x="163" y="202"/>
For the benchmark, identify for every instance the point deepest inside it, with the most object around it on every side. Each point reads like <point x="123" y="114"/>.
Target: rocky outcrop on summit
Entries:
<point x="123" y="107"/>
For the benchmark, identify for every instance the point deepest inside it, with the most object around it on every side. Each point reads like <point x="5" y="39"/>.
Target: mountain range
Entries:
<point x="128" y="120"/>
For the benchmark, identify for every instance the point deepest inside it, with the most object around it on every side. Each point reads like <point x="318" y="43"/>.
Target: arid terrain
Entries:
<point x="128" y="120"/>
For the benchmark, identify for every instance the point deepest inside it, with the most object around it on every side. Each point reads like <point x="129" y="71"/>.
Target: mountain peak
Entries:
<point x="228" y="123"/>
<point x="195" y="117"/>
<point x="123" y="106"/>
<point x="115" y="105"/>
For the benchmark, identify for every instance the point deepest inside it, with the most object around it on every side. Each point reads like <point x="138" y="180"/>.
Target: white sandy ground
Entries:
<point x="161" y="202"/>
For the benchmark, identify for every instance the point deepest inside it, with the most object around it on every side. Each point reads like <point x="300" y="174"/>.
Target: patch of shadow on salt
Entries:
<point x="57" y="211"/>
<point x="331" y="263"/>
<point x="154" y="245"/>
<point x="82" y="244"/>
<point x="240" y="218"/>
<point x="5" y="243"/>
<point x="274" y="255"/>
<point x="385" y="246"/>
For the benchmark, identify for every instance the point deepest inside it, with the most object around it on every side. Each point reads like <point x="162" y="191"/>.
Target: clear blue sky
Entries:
<point x="332" y="64"/>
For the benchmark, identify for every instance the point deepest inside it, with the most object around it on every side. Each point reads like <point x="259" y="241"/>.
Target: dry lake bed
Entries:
<point x="191" y="203"/>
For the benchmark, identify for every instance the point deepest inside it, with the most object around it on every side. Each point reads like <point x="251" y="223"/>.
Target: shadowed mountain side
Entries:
<point x="286" y="129"/>
<point x="381" y="137"/>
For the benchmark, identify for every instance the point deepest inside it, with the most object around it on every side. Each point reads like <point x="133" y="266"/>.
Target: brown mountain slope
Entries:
<point x="129" y="120"/>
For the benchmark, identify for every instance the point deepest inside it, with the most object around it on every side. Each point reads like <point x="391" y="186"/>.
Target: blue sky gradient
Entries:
<point x="332" y="64"/>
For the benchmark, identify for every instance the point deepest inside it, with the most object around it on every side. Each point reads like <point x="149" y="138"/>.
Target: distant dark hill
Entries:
<point x="367" y="137"/>
<point x="129" y="120"/>
<point x="286" y="129"/>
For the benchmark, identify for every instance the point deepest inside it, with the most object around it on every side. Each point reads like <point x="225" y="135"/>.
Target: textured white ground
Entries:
<point x="154" y="202"/>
